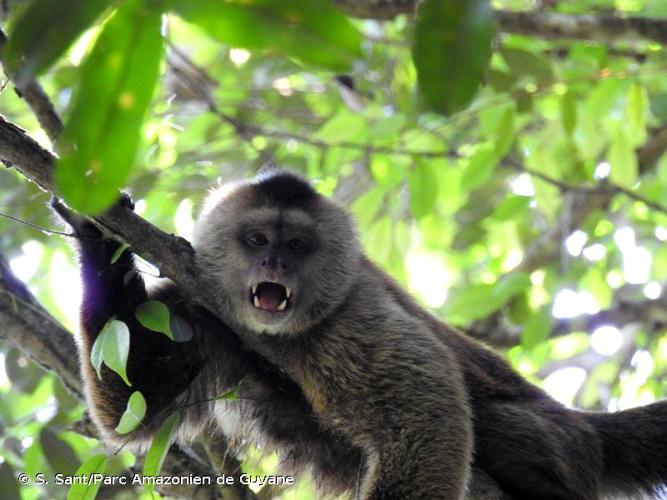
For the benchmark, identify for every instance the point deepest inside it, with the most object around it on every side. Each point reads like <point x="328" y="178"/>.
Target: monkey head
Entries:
<point x="281" y="256"/>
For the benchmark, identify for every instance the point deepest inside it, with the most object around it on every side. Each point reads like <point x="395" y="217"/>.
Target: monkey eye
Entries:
<point x="296" y="245"/>
<point x="257" y="240"/>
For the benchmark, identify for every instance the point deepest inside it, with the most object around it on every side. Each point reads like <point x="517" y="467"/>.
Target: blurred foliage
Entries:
<point x="450" y="206"/>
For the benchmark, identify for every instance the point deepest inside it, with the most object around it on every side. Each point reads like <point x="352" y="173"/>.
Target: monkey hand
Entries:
<point x="82" y="226"/>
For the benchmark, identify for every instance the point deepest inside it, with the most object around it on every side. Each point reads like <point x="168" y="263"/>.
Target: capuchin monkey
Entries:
<point x="338" y="369"/>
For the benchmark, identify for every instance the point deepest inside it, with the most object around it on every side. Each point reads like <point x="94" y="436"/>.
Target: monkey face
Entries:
<point x="280" y="266"/>
<point x="277" y="251"/>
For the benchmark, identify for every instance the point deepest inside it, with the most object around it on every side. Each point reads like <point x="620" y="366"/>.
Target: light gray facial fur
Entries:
<point x="318" y="278"/>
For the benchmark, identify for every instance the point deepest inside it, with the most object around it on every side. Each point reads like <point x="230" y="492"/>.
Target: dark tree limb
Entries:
<point x="29" y="327"/>
<point x="599" y="28"/>
<point x="604" y="28"/>
<point x="40" y="104"/>
<point x="650" y="313"/>
<point x="173" y="255"/>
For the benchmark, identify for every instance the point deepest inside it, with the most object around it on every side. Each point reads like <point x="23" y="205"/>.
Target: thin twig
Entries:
<point x="604" y="187"/>
<point x="35" y="226"/>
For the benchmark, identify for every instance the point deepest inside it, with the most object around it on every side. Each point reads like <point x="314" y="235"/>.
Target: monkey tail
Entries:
<point x="634" y="447"/>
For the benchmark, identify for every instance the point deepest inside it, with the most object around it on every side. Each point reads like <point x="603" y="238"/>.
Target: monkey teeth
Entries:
<point x="270" y="296"/>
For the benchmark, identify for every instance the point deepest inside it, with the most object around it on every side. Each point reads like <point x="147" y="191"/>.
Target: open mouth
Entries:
<point x="270" y="296"/>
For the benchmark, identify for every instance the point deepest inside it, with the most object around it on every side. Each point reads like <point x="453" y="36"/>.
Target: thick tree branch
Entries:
<point x="174" y="256"/>
<point x="29" y="327"/>
<point x="552" y="26"/>
<point x="598" y="28"/>
<point x="38" y="101"/>
<point x="650" y="313"/>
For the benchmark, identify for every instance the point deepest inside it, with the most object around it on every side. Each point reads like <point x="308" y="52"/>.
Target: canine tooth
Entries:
<point x="288" y="292"/>
<point x="282" y="305"/>
<point x="254" y="289"/>
<point x="256" y="301"/>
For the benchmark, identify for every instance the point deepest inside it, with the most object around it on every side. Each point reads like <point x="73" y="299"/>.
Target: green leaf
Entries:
<point x="388" y="172"/>
<point x="568" y="112"/>
<point x="154" y="315"/>
<point x="112" y="347"/>
<point x="510" y="286"/>
<point x="512" y="206"/>
<point x="24" y="376"/>
<point x="367" y="207"/>
<point x="505" y="132"/>
<point x="119" y="251"/>
<point x="480" y="167"/>
<point x="387" y="130"/>
<point x="471" y="302"/>
<point x="85" y="490"/>
<point x="623" y="161"/>
<point x="230" y="395"/>
<point x="10" y="486"/>
<point x="537" y="328"/>
<point x="33" y="459"/>
<point x="594" y="281"/>
<point x="344" y="126"/>
<point x="600" y="105"/>
<point x="478" y="301"/>
<point x="160" y="446"/>
<point x="500" y="81"/>
<point x="133" y="415"/>
<point x="58" y="453"/>
<point x="451" y="51"/>
<point x="312" y="31"/>
<point x="637" y="111"/>
<point x="423" y="189"/>
<point x="523" y="62"/>
<point x="103" y="128"/>
<point x="37" y="39"/>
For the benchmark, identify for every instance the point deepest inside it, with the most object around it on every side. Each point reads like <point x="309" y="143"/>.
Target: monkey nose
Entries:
<point x="273" y="261"/>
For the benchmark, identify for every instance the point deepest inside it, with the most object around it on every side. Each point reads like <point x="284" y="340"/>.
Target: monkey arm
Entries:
<point x="161" y="369"/>
<point x="423" y="448"/>
<point x="158" y="367"/>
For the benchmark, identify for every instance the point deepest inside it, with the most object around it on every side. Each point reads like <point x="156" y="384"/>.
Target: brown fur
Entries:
<point x="357" y="381"/>
<point x="370" y="369"/>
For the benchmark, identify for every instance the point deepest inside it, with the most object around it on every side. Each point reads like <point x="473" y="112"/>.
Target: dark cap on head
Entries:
<point x="285" y="189"/>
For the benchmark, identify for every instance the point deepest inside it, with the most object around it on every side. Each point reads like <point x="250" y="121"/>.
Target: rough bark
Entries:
<point x="40" y="104"/>
<point x="604" y="28"/>
<point x="29" y="327"/>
